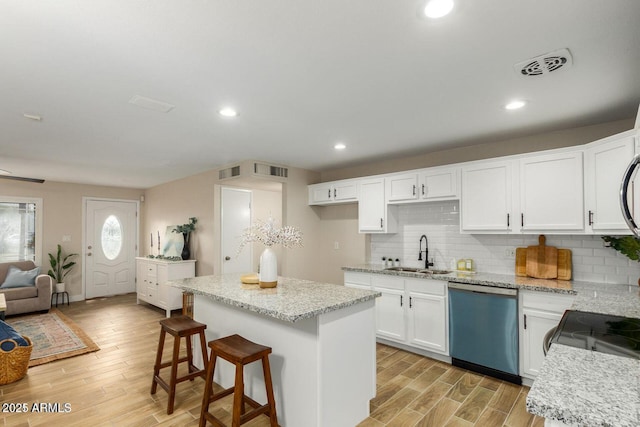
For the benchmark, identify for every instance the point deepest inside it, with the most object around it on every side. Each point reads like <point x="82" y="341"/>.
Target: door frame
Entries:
<point x="86" y="199"/>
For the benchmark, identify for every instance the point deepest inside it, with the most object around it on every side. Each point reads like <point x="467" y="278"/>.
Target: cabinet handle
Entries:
<point x="590" y="217"/>
<point x="334" y="193"/>
<point x="508" y="217"/>
<point x="410" y="302"/>
<point x="525" y="321"/>
<point x="521" y="220"/>
<point x="423" y="189"/>
<point x="381" y="224"/>
<point x="329" y="193"/>
<point x="414" y="189"/>
<point x="400" y="300"/>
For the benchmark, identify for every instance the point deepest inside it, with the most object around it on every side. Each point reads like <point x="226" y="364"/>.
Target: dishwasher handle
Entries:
<point x="482" y="289"/>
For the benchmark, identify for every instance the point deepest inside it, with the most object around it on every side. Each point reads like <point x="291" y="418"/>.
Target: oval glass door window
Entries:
<point x="111" y="237"/>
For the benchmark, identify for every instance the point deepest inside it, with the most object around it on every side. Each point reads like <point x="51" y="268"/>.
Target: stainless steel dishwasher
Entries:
<point x="483" y="330"/>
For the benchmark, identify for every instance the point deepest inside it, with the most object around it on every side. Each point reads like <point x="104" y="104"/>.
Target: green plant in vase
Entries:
<point x="186" y="230"/>
<point x="61" y="266"/>
<point x="626" y="245"/>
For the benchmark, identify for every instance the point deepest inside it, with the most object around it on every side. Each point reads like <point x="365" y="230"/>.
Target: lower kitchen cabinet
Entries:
<point x="428" y="314"/>
<point x="152" y="276"/>
<point x="540" y="313"/>
<point x="410" y="311"/>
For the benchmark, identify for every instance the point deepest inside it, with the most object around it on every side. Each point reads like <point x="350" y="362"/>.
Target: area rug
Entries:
<point x="54" y="336"/>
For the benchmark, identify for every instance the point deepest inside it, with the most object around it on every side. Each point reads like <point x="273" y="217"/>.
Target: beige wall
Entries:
<point x="543" y="141"/>
<point x="62" y="215"/>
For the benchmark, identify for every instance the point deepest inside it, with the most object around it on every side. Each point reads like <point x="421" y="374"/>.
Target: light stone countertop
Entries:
<point x="292" y="300"/>
<point x="575" y="386"/>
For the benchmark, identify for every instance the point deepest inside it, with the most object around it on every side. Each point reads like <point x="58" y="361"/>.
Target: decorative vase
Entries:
<point x="186" y="252"/>
<point x="268" y="277"/>
<point x="60" y="287"/>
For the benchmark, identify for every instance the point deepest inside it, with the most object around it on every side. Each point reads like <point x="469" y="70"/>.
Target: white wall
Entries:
<point x="440" y="223"/>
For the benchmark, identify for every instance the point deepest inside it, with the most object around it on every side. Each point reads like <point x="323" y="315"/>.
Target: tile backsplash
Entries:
<point x="440" y="222"/>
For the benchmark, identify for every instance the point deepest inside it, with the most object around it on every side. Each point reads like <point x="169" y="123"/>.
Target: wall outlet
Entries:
<point x="66" y="238"/>
<point x="336" y="245"/>
<point x="510" y="253"/>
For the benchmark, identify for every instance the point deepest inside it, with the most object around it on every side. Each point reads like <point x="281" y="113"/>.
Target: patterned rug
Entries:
<point x="54" y="336"/>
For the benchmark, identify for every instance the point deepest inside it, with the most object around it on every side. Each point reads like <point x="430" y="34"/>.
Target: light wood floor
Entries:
<point x="111" y="387"/>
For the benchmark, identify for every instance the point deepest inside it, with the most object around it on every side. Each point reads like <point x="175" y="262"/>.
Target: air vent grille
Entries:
<point x="229" y="172"/>
<point x="270" y="170"/>
<point x="544" y="64"/>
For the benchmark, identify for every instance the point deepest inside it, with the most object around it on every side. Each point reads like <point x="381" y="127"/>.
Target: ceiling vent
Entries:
<point x="231" y="172"/>
<point x="270" y="170"/>
<point x="544" y="64"/>
<point x="151" y="104"/>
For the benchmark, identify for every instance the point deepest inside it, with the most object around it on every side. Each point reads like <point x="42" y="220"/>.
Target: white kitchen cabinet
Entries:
<point x="344" y="191"/>
<point x="427" y="314"/>
<point x="402" y="187"/>
<point x="374" y="214"/>
<point x="551" y="192"/>
<point x="439" y="184"/>
<point x="541" y="311"/>
<point x="390" y="319"/>
<point x="605" y="163"/>
<point x="152" y="278"/>
<point x="486" y="199"/>
<point x="412" y="312"/>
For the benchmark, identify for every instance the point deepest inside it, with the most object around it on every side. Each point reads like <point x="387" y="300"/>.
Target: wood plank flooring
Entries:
<point x="111" y="387"/>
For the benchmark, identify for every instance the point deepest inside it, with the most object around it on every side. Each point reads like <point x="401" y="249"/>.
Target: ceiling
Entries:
<point x="302" y="74"/>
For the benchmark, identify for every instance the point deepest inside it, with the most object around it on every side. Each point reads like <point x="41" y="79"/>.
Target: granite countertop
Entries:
<point x="292" y="300"/>
<point x="575" y="386"/>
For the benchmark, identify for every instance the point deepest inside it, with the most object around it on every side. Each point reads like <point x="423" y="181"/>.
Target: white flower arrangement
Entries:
<point x="268" y="234"/>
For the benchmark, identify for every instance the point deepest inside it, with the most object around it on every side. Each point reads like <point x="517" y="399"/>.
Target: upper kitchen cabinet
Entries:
<point x="605" y="162"/>
<point x="402" y="188"/>
<point x="325" y="193"/>
<point x="374" y="214"/>
<point x="551" y="192"/>
<point x="440" y="184"/>
<point x="426" y="185"/>
<point x="485" y="202"/>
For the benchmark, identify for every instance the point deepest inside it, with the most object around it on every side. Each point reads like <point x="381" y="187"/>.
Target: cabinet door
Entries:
<point x="320" y="193"/>
<point x="551" y="192"/>
<point x="390" y="323"/>
<point x="439" y="184"/>
<point x="372" y="210"/>
<point x="536" y="324"/>
<point x="427" y="321"/>
<point x="345" y="191"/>
<point x="402" y="187"/>
<point x="485" y="203"/>
<point x="605" y="164"/>
<point x="141" y="279"/>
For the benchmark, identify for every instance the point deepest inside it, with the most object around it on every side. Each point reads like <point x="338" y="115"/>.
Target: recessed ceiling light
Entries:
<point x="514" y="105"/>
<point x="438" y="8"/>
<point x="339" y="146"/>
<point x="4" y="172"/>
<point x="228" y="112"/>
<point x="34" y="117"/>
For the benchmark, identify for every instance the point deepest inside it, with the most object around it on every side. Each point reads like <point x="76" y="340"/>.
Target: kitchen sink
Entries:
<point x="418" y="270"/>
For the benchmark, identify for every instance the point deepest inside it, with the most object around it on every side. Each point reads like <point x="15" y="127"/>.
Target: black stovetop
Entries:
<point x="603" y="333"/>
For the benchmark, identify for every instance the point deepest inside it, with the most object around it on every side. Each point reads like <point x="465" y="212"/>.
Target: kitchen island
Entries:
<point x="323" y="339"/>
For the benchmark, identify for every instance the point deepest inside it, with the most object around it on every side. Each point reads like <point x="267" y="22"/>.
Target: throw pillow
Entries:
<point x="17" y="278"/>
<point x="7" y="332"/>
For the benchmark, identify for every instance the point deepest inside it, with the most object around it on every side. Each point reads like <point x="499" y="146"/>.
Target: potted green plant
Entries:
<point x="186" y="230"/>
<point x="60" y="267"/>
<point x="629" y="246"/>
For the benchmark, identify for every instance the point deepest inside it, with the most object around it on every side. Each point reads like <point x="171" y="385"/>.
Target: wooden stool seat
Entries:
<point x="239" y="351"/>
<point x="179" y="327"/>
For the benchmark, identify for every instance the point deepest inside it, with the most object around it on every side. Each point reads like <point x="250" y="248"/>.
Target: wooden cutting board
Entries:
<point x="526" y="266"/>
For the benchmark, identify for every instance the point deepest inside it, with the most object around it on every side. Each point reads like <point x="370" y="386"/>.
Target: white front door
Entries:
<point x="236" y="216"/>
<point x="110" y="238"/>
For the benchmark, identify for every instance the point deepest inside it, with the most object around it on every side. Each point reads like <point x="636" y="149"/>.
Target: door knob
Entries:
<point x="227" y="258"/>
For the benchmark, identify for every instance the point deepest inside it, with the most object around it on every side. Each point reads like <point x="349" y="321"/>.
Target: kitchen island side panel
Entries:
<point x="323" y="367"/>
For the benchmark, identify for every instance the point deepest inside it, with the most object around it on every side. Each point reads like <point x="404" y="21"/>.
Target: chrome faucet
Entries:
<point x="427" y="264"/>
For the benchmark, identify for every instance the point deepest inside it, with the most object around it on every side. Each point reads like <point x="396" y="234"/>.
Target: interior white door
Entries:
<point x="110" y="237"/>
<point x="236" y="216"/>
